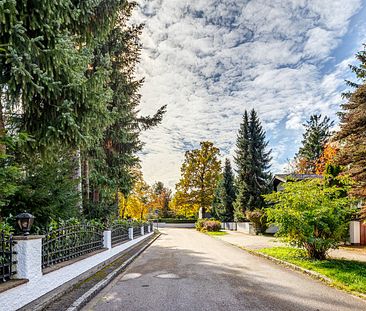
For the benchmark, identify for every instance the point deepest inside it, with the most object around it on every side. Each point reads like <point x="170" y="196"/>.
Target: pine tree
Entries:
<point x="352" y="134"/>
<point x="225" y="195"/>
<point x="317" y="133"/>
<point x="252" y="160"/>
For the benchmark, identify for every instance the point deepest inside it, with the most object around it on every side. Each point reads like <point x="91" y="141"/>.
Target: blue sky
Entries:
<point x="209" y="60"/>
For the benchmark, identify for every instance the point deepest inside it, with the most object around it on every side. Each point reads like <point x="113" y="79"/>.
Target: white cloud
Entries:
<point x="209" y="60"/>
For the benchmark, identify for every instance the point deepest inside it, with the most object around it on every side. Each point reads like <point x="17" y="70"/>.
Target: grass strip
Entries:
<point x="347" y="274"/>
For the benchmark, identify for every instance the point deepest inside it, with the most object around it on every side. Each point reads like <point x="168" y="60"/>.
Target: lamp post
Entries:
<point x="25" y="222"/>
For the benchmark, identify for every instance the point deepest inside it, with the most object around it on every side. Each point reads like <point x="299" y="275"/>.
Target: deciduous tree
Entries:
<point x="311" y="215"/>
<point x="200" y="173"/>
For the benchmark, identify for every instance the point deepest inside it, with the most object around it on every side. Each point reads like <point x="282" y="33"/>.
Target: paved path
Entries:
<point x="259" y="241"/>
<point x="185" y="270"/>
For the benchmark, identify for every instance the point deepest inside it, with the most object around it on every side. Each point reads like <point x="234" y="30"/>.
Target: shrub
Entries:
<point x="311" y="215"/>
<point x="258" y="218"/>
<point x="212" y="225"/>
<point x="199" y="224"/>
<point x="5" y="227"/>
<point x="208" y="225"/>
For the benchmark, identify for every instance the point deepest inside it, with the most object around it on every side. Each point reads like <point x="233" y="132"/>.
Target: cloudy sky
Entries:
<point x="209" y="60"/>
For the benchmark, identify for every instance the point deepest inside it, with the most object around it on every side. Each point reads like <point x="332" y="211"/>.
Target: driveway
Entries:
<point x="187" y="270"/>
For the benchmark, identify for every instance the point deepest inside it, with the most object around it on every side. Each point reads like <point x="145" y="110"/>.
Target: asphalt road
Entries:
<point x="187" y="270"/>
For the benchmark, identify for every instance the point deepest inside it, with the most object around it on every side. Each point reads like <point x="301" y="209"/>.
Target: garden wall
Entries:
<point x="40" y="284"/>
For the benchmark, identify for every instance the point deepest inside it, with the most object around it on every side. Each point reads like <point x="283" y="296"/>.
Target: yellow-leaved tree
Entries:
<point x="200" y="173"/>
<point x="138" y="203"/>
<point x="181" y="208"/>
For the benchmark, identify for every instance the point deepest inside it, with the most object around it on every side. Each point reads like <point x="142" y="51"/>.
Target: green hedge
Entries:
<point x="177" y="221"/>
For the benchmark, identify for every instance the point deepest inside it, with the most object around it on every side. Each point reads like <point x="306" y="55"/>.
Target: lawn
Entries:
<point x="347" y="274"/>
<point x="216" y="233"/>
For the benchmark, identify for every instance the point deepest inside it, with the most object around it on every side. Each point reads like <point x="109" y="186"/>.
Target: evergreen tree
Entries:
<point x="113" y="160"/>
<point x="252" y="160"/>
<point x="359" y="71"/>
<point x="225" y="195"/>
<point x="317" y="133"/>
<point x="352" y="134"/>
<point x="67" y="80"/>
<point x="49" y="89"/>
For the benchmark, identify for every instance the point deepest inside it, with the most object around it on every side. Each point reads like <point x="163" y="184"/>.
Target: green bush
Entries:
<point x="199" y="224"/>
<point x="258" y="218"/>
<point x="5" y="227"/>
<point x="177" y="220"/>
<point x="311" y="215"/>
<point x="209" y="225"/>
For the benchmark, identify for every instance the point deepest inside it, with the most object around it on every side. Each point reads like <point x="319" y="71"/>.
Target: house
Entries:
<point x="279" y="179"/>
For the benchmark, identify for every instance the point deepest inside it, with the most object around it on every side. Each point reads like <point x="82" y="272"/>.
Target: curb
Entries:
<point x="85" y="298"/>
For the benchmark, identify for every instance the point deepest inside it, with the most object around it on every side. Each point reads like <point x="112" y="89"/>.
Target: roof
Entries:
<point x="285" y="177"/>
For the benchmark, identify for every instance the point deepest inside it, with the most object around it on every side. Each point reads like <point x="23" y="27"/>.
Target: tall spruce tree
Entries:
<point x="352" y="133"/>
<point x="252" y="160"/>
<point x="112" y="161"/>
<point x="317" y="133"/>
<point x="49" y="89"/>
<point x="225" y="195"/>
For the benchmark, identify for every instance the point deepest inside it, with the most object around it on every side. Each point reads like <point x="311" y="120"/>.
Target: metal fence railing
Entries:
<point x="136" y="231"/>
<point x="7" y="261"/>
<point x="119" y="234"/>
<point x="70" y="242"/>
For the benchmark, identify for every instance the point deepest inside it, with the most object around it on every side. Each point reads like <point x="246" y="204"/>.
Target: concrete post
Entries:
<point x="355" y="232"/>
<point x="130" y="233"/>
<point x="107" y="239"/>
<point x="142" y="230"/>
<point x="149" y="228"/>
<point x="29" y="256"/>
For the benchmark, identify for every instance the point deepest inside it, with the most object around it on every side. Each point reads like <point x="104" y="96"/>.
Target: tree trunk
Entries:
<point x="202" y="213"/>
<point x="77" y="177"/>
<point x="96" y="196"/>
<point x="2" y="127"/>
<point x="85" y="180"/>
<point x="314" y="253"/>
<point x="117" y="202"/>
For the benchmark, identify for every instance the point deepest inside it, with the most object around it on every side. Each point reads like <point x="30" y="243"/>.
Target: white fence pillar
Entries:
<point x="130" y="233"/>
<point x="107" y="239"/>
<point x="355" y="232"/>
<point x="29" y="256"/>
<point x="142" y="230"/>
<point x="149" y="228"/>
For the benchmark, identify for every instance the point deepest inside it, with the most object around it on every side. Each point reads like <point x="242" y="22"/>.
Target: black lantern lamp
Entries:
<point x="25" y="222"/>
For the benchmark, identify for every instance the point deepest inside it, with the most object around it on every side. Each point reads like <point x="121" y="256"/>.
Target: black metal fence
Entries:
<point x="70" y="242"/>
<point x="136" y="231"/>
<point x="146" y="228"/>
<point x="6" y="257"/>
<point x="119" y="234"/>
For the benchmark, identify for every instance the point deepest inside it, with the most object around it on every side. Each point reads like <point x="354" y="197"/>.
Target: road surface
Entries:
<point x="187" y="270"/>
